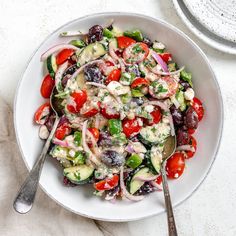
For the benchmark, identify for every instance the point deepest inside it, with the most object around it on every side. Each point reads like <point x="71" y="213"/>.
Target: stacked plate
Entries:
<point x="213" y="21"/>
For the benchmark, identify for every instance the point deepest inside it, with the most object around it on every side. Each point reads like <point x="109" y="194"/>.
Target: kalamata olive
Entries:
<point x="95" y="34"/>
<point x="138" y="100"/>
<point x="112" y="158"/>
<point x="93" y="74"/>
<point x="191" y="118"/>
<point x="50" y="121"/>
<point x="71" y="70"/>
<point x="134" y="70"/>
<point x="182" y="137"/>
<point x="185" y="84"/>
<point x="176" y="115"/>
<point x="145" y="189"/>
<point x="110" y="27"/>
<point x="67" y="182"/>
<point x="147" y="41"/>
<point x="105" y="140"/>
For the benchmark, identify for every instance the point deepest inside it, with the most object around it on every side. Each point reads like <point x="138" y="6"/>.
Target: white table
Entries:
<point x="212" y="209"/>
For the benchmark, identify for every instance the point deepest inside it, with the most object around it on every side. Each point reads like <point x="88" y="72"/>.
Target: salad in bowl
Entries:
<point x="121" y="95"/>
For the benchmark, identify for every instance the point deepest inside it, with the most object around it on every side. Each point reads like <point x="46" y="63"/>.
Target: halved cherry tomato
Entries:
<point x="159" y="179"/>
<point x="42" y="113"/>
<point x="156" y="116"/>
<point x="89" y="110"/>
<point x="124" y="42"/>
<point x="109" y="116"/>
<point x="191" y="131"/>
<point x="107" y="184"/>
<point x="197" y="106"/>
<point x="175" y="165"/>
<point x="139" y="82"/>
<point x="47" y="86"/>
<point x="193" y="143"/>
<point x="113" y="76"/>
<point x="76" y="101"/>
<point x="166" y="57"/>
<point x="135" y="53"/>
<point x="62" y="131"/>
<point x="64" y="55"/>
<point x="95" y="133"/>
<point x="131" y="127"/>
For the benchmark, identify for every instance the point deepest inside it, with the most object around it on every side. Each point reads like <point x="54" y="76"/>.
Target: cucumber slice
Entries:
<point x="52" y="65"/>
<point x="135" y="184"/>
<point x="180" y="98"/>
<point x="81" y="80"/>
<point x="80" y="174"/>
<point x="90" y="53"/>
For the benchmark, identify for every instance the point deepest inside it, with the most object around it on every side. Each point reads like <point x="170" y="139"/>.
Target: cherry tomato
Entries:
<point x="113" y="76"/>
<point x="95" y="133"/>
<point x="109" y="116"/>
<point x="193" y="143"/>
<point x="175" y="165"/>
<point x="47" y="86"/>
<point x="131" y="127"/>
<point x="166" y="57"/>
<point x="124" y="42"/>
<point x="135" y="53"/>
<point x="197" y="106"/>
<point x="89" y="109"/>
<point x="62" y="131"/>
<point x="64" y="55"/>
<point x="159" y="179"/>
<point x="156" y="116"/>
<point x="76" y="101"/>
<point x="191" y="131"/>
<point x="42" y="113"/>
<point x="139" y="82"/>
<point x="107" y="184"/>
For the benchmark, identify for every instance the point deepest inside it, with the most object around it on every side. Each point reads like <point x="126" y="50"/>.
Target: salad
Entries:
<point x="121" y="95"/>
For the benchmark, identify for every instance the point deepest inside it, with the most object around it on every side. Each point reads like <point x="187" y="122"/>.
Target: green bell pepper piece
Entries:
<point x="107" y="33"/>
<point x="134" y="161"/>
<point x="115" y="126"/>
<point x="135" y="34"/>
<point x="186" y="77"/>
<point x="78" y="43"/>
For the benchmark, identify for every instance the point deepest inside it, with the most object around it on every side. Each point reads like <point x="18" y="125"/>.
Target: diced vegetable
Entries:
<point x="115" y="126"/>
<point x="136" y="92"/>
<point x="52" y="65"/>
<point x="108" y="33"/>
<point x="180" y="98"/>
<point x="78" y="43"/>
<point x="135" y="34"/>
<point x="79" y="158"/>
<point x="134" y="161"/>
<point x="186" y="77"/>
<point x="172" y="66"/>
<point x="78" y="138"/>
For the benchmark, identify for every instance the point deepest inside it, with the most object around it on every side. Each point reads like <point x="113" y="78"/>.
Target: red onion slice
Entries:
<point x="166" y="73"/>
<point x="57" y="48"/>
<point x="124" y="190"/>
<point x="59" y="74"/>
<point x="146" y="179"/>
<point x="156" y="185"/>
<point x="185" y="148"/>
<point x="160" y="61"/>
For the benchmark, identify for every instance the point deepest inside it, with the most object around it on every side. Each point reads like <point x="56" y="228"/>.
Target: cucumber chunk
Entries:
<point x="80" y="174"/>
<point x="52" y="65"/>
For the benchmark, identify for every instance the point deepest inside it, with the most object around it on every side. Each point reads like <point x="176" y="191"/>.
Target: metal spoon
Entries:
<point x="25" y="197"/>
<point x="169" y="149"/>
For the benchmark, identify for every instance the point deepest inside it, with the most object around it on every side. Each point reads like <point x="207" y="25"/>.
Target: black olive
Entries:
<point x="112" y="158"/>
<point x="145" y="189"/>
<point x="93" y="74"/>
<point x="71" y="70"/>
<point x="191" y="118"/>
<point x="147" y="41"/>
<point x="134" y="70"/>
<point x="176" y="115"/>
<point x="138" y="100"/>
<point x="95" y="34"/>
<point x="183" y="137"/>
<point x="185" y="84"/>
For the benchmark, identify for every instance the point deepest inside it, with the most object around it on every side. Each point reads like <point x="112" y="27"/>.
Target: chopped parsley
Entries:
<point x="137" y="49"/>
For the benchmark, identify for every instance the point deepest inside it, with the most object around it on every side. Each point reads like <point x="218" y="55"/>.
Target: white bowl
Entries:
<point x="81" y="199"/>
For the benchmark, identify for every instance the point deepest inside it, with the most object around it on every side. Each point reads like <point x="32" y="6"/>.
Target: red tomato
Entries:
<point x="47" y="86"/>
<point x="191" y="131"/>
<point x="107" y="184"/>
<point x="131" y="127"/>
<point x="124" y="42"/>
<point x="166" y="57"/>
<point x="197" y="106"/>
<point x="109" y="63"/>
<point x="109" y="116"/>
<point x="95" y="133"/>
<point x="42" y="113"/>
<point x="89" y="109"/>
<point x="76" y="101"/>
<point x="159" y="179"/>
<point x="175" y="166"/>
<point x="193" y="143"/>
<point x="156" y="116"/>
<point x="135" y="53"/>
<point x="64" y="55"/>
<point x="62" y="131"/>
<point x="113" y="76"/>
<point x="139" y="82"/>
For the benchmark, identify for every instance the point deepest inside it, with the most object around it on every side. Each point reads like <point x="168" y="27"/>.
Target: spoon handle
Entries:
<point x="25" y="197"/>
<point x="170" y="215"/>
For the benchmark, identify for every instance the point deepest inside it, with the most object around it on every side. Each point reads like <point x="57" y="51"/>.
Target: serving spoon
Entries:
<point x="169" y="149"/>
<point x="25" y="197"/>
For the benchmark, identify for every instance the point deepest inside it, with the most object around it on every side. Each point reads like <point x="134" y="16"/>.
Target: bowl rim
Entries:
<point x="170" y="26"/>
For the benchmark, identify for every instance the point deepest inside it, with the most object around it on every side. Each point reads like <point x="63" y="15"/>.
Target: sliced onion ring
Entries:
<point x="57" y="48"/>
<point x="156" y="185"/>
<point x="160" y="61"/>
<point x="186" y="148"/>
<point x="59" y="74"/>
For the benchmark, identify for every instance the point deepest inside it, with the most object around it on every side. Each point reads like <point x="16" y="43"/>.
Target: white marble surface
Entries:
<point x="211" y="210"/>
